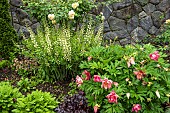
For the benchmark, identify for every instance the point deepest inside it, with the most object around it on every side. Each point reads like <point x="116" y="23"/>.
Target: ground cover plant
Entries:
<point x="125" y="79"/>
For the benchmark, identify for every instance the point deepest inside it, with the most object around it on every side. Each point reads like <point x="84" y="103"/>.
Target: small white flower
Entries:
<point x="128" y="95"/>
<point x="71" y="14"/>
<point x="51" y="16"/>
<point x="75" y="5"/>
<point x="157" y="94"/>
<point x="101" y="13"/>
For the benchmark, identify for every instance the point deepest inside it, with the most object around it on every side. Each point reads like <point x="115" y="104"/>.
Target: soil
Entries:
<point x="56" y="88"/>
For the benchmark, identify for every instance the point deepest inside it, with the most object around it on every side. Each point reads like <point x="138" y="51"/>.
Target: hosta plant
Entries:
<point x="8" y="97"/>
<point x="36" y="102"/>
<point x="126" y="79"/>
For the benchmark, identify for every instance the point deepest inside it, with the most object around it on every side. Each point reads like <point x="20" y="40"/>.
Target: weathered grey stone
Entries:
<point x="149" y="8"/>
<point x="138" y="34"/>
<point x="163" y="5"/>
<point x="146" y="23"/>
<point x="26" y="22"/>
<point x="107" y="12"/>
<point x="142" y="2"/>
<point x="16" y="3"/>
<point x="142" y="15"/>
<point x="120" y="5"/>
<point x="125" y="41"/>
<point x="155" y="1"/>
<point x="35" y="26"/>
<point x="116" y="24"/>
<point x="167" y="14"/>
<point x="23" y="31"/>
<point x="156" y="17"/>
<point x="132" y="23"/>
<point x="153" y="30"/>
<point x="16" y="27"/>
<point x="14" y="18"/>
<point x="21" y="14"/>
<point x="106" y="27"/>
<point x="109" y="36"/>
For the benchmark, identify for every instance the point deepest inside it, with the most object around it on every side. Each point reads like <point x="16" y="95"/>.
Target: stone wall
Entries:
<point x="133" y="20"/>
<point x="130" y="20"/>
<point x="20" y="19"/>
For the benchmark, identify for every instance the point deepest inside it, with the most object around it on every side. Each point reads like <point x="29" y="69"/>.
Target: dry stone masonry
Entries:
<point x="133" y="20"/>
<point x="129" y="20"/>
<point x="20" y="19"/>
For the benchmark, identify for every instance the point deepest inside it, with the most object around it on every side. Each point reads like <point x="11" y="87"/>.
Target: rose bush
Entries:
<point x="125" y="79"/>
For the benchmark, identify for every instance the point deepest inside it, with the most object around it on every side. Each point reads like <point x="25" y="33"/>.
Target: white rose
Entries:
<point x="71" y="14"/>
<point x="75" y="5"/>
<point x="51" y="16"/>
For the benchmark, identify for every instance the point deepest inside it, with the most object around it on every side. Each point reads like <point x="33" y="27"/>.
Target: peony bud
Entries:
<point x="157" y="94"/>
<point x="128" y="95"/>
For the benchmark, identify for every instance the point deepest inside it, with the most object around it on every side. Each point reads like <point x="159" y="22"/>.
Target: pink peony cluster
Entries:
<point x="136" y="108"/>
<point x="112" y="97"/>
<point x="88" y="76"/>
<point x="154" y="56"/>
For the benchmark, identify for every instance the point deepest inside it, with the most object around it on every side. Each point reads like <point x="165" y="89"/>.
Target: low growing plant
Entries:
<point x="8" y="97"/>
<point x="125" y="79"/>
<point x="36" y="102"/>
<point x="58" y="52"/>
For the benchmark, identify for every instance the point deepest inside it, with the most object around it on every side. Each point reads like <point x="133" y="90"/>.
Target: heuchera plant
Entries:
<point x="125" y="79"/>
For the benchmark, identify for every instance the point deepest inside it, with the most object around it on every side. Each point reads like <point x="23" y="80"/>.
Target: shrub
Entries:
<point x="8" y="97"/>
<point x="58" y="52"/>
<point x="4" y="12"/>
<point x="36" y="102"/>
<point x="8" y="37"/>
<point x="125" y="79"/>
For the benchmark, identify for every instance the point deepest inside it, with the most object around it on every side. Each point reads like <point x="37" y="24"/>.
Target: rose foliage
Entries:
<point x="125" y="79"/>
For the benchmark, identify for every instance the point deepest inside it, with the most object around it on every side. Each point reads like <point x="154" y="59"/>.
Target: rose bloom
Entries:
<point x="97" y="78"/>
<point x="96" y="107"/>
<point x="136" y="108"/>
<point x="85" y="72"/>
<point x="139" y="74"/>
<point x="51" y="16"/>
<point x="79" y="81"/>
<point x="75" y="5"/>
<point x="112" y="97"/>
<point x="71" y="14"/>
<point x="106" y="84"/>
<point x="154" y="56"/>
<point x="167" y="21"/>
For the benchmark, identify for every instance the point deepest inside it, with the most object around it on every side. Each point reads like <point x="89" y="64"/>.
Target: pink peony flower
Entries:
<point x="136" y="108"/>
<point x="112" y="97"/>
<point x="85" y="72"/>
<point x="116" y="84"/>
<point x="97" y="78"/>
<point x="139" y="74"/>
<point x="96" y="107"/>
<point x="106" y="84"/>
<point x="131" y="61"/>
<point x="154" y="56"/>
<point x="89" y="58"/>
<point x="79" y="81"/>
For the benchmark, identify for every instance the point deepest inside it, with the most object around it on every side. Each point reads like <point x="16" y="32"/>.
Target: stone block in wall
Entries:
<point x="107" y="11"/>
<point x="142" y="2"/>
<point x="163" y="5"/>
<point x="155" y="2"/>
<point x="26" y="22"/>
<point x="149" y="8"/>
<point x="132" y="23"/>
<point x="138" y="34"/>
<point x="16" y="3"/>
<point x="121" y="5"/>
<point x="146" y="23"/>
<point x="156" y="17"/>
<point x="21" y="14"/>
<point x="116" y="23"/>
<point x="106" y="27"/>
<point x="167" y="14"/>
<point x="142" y="15"/>
<point x="16" y="27"/>
<point x="153" y="30"/>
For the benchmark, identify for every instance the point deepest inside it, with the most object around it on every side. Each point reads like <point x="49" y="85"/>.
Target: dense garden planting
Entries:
<point x="67" y="67"/>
